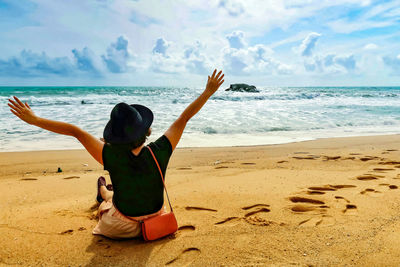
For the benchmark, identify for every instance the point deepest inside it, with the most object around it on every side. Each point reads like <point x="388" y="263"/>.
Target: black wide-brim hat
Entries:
<point x="127" y="124"/>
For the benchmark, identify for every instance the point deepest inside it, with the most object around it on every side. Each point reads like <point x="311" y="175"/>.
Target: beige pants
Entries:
<point x="115" y="225"/>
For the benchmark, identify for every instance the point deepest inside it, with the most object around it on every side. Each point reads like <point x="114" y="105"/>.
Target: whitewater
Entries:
<point x="275" y="115"/>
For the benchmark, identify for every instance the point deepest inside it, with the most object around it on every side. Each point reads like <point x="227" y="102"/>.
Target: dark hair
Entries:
<point x="138" y="142"/>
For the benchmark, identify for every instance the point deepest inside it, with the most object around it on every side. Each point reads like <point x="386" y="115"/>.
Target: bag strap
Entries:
<point x="162" y="176"/>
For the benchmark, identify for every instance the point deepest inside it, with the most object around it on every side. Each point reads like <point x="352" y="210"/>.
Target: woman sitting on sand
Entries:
<point x="137" y="186"/>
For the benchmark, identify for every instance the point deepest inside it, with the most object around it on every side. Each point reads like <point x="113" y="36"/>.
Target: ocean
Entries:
<point x="275" y="115"/>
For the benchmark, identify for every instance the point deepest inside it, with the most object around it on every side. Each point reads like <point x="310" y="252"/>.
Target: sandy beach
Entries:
<point x="323" y="202"/>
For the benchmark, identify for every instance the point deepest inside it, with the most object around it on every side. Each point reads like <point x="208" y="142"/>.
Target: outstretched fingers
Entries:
<point x="213" y="75"/>
<point x="15" y="113"/>
<point x="19" y="101"/>
<point x="14" y="105"/>
<point x="220" y="78"/>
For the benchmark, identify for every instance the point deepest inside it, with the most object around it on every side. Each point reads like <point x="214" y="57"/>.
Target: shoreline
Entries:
<point x="301" y="203"/>
<point x="227" y="146"/>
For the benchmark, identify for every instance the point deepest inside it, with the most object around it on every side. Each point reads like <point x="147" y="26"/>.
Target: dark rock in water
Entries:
<point x="242" y="87"/>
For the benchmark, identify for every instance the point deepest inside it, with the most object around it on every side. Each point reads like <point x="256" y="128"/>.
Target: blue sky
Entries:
<point x="177" y="43"/>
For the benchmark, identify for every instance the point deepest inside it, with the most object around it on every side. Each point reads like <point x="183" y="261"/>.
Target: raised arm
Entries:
<point x="23" y="111"/>
<point x="175" y="131"/>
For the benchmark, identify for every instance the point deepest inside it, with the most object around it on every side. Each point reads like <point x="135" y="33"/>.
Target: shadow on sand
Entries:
<point x="130" y="252"/>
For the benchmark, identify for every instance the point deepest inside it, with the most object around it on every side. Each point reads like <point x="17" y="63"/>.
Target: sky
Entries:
<point x="178" y="43"/>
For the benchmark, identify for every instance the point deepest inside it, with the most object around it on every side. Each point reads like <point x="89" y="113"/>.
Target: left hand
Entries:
<point x="214" y="82"/>
<point x="22" y="111"/>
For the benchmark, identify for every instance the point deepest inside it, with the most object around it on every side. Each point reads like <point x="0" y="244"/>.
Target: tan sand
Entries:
<point x="323" y="202"/>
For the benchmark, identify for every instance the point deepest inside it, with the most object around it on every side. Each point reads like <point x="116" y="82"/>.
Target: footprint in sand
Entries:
<point x="186" y="257"/>
<point x="369" y="190"/>
<point x="303" y="208"/>
<point x="326" y="158"/>
<point x="312" y="157"/>
<point x="199" y="208"/>
<point x="322" y="188"/>
<point x="342" y="186"/>
<point x="185" y="229"/>
<point x="221" y="167"/>
<point x="28" y="179"/>
<point x="255" y="205"/>
<point x="340" y="197"/>
<point x="306" y="208"/>
<point x="391" y="150"/>
<point x="391" y="186"/>
<point x="257" y="217"/>
<point x="383" y="169"/>
<point x="256" y="212"/>
<point x="248" y="163"/>
<point x="316" y="221"/>
<point x="69" y="232"/>
<point x="389" y="163"/>
<point x="71" y="177"/>
<point x="282" y="161"/>
<point x="367" y="158"/>
<point x="367" y="177"/>
<point x="230" y="221"/>
<point x="184" y="168"/>
<point x="100" y="243"/>
<point x="315" y="192"/>
<point x="350" y="209"/>
<point x="306" y="200"/>
<point x="306" y="204"/>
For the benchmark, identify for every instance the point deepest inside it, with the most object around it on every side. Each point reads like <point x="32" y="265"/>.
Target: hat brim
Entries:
<point x="147" y="120"/>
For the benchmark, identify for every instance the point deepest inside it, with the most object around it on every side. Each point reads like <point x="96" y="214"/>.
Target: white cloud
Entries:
<point x="164" y="62"/>
<point x="31" y="64"/>
<point x="86" y="60"/>
<point x="236" y="39"/>
<point x="331" y="63"/>
<point x="142" y="20"/>
<point x="253" y="60"/>
<point x="196" y="61"/>
<point x="348" y="62"/>
<point x="91" y="26"/>
<point x="161" y="46"/>
<point x="393" y="63"/>
<point x="370" y="46"/>
<point x="117" y="56"/>
<point x="307" y="46"/>
<point x="233" y="7"/>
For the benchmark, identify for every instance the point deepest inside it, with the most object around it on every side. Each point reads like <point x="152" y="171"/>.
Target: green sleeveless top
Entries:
<point x="137" y="185"/>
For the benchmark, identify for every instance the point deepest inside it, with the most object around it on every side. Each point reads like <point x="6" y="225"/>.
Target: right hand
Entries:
<point x="22" y="111"/>
<point x="214" y="82"/>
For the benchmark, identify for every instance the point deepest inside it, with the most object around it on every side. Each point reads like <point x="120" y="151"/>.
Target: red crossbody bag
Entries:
<point x="160" y="225"/>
